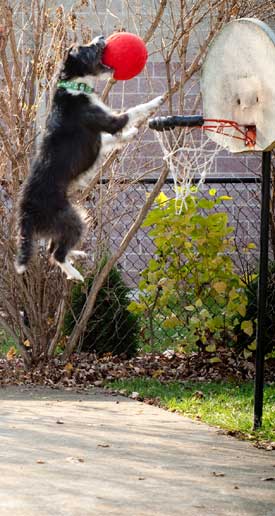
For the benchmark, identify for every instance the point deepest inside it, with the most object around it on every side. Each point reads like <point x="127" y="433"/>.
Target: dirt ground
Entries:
<point x="94" y="454"/>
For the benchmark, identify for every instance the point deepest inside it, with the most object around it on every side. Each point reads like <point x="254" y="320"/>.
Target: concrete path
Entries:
<point x="69" y="454"/>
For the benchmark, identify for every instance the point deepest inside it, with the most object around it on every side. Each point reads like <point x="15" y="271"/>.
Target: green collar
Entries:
<point x="76" y="86"/>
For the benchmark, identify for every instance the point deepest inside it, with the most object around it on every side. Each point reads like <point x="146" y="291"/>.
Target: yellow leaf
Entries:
<point x="247" y="327"/>
<point x="226" y="198"/>
<point x="253" y="345"/>
<point x="198" y="303"/>
<point x="219" y="286"/>
<point x="214" y="360"/>
<point x="204" y="313"/>
<point x="187" y="245"/>
<point x="251" y="246"/>
<point x="11" y="354"/>
<point x="171" y="322"/>
<point x="211" y="348"/>
<point x="212" y="192"/>
<point x="241" y="309"/>
<point x="247" y="353"/>
<point x="27" y="343"/>
<point x="189" y="308"/>
<point x="157" y="373"/>
<point x="162" y="198"/>
<point x="193" y="189"/>
<point x="68" y="367"/>
<point x="233" y="294"/>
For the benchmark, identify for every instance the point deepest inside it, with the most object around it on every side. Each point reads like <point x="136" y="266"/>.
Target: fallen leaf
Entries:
<point x="103" y="445"/>
<point x="60" y="422"/>
<point x="40" y="461"/>
<point x="135" y="395"/>
<point x="68" y="367"/>
<point x="218" y="474"/>
<point x="268" y="479"/>
<point x="198" y="395"/>
<point x="74" y="459"/>
<point x="11" y="354"/>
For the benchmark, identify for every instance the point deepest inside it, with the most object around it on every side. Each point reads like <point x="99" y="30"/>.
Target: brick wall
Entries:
<point x="146" y="158"/>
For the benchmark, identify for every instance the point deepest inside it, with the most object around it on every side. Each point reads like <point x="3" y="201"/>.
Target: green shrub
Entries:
<point x="111" y="328"/>
<point x="190" y="286"/>
<point x="246" y="341"/>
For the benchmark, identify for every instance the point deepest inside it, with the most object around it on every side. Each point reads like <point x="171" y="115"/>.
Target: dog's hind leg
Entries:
<point x="70" y="271"/>
<point x="25" y="247"/>
<point x="51" y="246"/>
<point x="68" y="232"/>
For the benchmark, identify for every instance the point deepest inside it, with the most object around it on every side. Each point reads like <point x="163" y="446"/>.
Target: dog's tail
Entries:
<point x="25" y="247"/>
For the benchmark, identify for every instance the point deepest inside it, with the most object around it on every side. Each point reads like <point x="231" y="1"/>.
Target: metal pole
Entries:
<point x="262" y="291"/>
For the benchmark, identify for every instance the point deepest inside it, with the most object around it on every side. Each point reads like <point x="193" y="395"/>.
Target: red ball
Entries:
<point x="126" y="53"/>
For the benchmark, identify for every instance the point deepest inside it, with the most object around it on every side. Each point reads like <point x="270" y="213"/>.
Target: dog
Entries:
<point x="80" y="130"/>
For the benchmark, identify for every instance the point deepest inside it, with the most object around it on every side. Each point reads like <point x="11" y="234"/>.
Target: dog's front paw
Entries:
<point x="154" y="104"/>
<point x="129" y="133"/>
<point x="159" y="100"/>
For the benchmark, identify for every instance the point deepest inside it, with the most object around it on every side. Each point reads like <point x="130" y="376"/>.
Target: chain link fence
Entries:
<point x="210" y="297"/>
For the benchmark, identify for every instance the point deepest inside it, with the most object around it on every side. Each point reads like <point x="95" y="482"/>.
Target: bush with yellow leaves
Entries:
<point x="190" y="286"/>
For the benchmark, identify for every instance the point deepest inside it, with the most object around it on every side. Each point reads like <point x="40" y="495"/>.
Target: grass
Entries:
<point x="225" y="405"/>
<point x="5" y="343"/>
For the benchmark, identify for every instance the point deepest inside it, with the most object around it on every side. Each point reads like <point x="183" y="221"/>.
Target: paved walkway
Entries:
<point x="69" y="454"/>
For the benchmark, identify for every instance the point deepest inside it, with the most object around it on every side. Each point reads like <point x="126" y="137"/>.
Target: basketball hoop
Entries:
<point x="238" y="96"/>
<point x="190" y="154"/>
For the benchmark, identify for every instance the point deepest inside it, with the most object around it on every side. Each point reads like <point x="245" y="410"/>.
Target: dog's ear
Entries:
<point x="71" y="63"/>
<point x="73" y="51"/>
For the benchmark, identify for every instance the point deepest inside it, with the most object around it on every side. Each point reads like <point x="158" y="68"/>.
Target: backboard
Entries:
<point x="238" y="82"/>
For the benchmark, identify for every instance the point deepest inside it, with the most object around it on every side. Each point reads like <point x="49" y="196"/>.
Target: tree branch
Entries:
<point x="103" y="274"/>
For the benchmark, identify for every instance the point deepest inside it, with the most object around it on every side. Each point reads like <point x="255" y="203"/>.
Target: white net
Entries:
<point x="189" y="155"/>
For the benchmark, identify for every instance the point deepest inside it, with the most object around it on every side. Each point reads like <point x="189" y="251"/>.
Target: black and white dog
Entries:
<point x="79" y="131"/>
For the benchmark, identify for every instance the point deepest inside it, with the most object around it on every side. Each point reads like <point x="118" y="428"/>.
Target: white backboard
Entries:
<point x="238" y="82"/>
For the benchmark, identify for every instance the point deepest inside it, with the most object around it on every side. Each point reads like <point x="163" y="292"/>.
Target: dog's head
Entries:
<point x="83" y="60"/>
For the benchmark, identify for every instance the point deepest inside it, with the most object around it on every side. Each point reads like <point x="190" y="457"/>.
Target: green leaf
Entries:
<point x="135" y="307"/>
<point x="153" y="265"/>
<point x="206" y="204"/>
